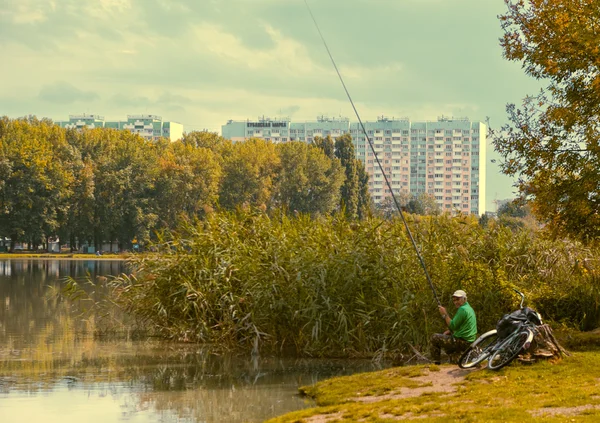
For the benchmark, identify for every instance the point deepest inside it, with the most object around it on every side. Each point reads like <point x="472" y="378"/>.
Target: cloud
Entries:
<point x="63" y="93"/>
<point x="167" y="101"/>
<point x="26" y="12"/>
<point x="130" y="100"/>
<point x="170" y="98"/>
<point x="286" y="54"/>
<point x="204" y="62"/>
<point x="290" y="111"/>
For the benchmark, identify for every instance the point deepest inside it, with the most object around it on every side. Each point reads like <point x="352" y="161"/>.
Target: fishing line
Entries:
<point x="387" y="182"/>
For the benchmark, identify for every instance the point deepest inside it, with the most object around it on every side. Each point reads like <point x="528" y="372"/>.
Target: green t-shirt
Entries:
<point x="464" y="323"/>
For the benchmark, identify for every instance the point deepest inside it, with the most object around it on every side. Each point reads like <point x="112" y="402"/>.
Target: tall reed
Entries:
<point x="330" y="287"/>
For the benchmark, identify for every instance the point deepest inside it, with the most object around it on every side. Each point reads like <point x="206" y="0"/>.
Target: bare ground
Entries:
<point x="445" y="380"/>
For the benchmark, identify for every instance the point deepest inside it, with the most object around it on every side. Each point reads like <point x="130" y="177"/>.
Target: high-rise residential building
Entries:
<point x="276" y="130"/>
<point x="445" y="158"/>
<point x="150" y="127"/>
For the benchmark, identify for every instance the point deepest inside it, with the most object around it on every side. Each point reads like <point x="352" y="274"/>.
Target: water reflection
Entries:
<point x="24" y="288"/>
<point x="52" y="370"/>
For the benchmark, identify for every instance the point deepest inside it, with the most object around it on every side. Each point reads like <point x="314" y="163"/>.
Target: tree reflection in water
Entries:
<point x="52" y="366"/>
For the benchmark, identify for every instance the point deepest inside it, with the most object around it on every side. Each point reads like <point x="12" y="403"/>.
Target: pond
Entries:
<point x="53" y="368"/>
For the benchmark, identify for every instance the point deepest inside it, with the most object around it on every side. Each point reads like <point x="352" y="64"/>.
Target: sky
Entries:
<point x="203" y="62"/>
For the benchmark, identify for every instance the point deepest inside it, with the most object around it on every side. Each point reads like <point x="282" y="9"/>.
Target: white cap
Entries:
<point x="460" y="293"/>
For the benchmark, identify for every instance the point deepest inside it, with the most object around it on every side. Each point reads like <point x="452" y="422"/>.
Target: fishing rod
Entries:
<point x="387" y="182"/>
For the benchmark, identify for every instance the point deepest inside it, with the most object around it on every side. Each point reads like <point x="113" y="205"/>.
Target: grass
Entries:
<point x="340" y="390"/>
<point x="545" y="392"/>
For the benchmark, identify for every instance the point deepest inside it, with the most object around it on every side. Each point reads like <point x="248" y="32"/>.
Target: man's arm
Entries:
<point x="445" y="316"/>
<point x="458" y="320"/>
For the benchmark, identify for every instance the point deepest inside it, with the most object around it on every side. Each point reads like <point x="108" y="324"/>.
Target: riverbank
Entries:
<point x="567" y="390"/>
<point x="62" y="256"/>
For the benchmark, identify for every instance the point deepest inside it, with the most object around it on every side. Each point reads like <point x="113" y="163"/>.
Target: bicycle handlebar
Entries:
<point x="522" y="296"/>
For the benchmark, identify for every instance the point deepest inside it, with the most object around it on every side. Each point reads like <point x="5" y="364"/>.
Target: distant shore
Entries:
<point x="62" y="256"/>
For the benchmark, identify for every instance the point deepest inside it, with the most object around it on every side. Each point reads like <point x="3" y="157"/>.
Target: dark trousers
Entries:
<point x="448" y="343"/>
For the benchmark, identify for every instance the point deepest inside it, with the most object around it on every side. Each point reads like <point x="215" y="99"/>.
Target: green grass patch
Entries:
<point x="568" y="390"/>
<point x="372" y="384"/>
<point x="578" y="341"/>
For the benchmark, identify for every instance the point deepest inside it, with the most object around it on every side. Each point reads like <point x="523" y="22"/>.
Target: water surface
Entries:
<point x="54" y="366"/>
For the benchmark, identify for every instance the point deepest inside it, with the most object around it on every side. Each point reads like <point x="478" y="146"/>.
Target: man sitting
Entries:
<point x="462" y="329"/>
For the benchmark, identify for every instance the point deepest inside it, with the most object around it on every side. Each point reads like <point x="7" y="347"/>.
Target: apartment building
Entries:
<point x="150" y="127"/>
<point x="445" y="158"/>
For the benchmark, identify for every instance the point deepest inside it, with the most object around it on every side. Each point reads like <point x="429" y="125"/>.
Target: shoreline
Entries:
<point x="432" y="393"/>
<point x="66" y="256"/>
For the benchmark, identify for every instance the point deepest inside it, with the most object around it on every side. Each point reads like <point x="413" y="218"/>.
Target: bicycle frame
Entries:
<point x="473" y="356"/>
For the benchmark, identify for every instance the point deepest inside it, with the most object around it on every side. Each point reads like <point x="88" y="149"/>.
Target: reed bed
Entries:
<point x="330" y="287"/>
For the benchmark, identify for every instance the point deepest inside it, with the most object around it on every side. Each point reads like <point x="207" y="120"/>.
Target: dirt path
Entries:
<point x="445" y="380"/>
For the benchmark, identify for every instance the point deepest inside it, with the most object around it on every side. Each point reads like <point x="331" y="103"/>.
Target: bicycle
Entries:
<point x="513" y="334"/>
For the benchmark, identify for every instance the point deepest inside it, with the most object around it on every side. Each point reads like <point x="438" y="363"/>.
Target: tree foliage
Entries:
<point x="249" y="174"/>
<point x="414" y="203"/>
<point x="36" y="181"/>
<point x="512" y="209"/>
<point x="344" y="150"/>
<point x="187" y="182"/>
<point x="101" y="186"/>
<point x="354" y="192"/>
<point x="552" y="143"/>
<point x="310" y="180"/>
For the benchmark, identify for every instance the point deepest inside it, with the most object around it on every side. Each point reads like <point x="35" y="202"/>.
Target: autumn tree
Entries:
<point x="249" y="172"/>
<point x="310" y="181"/>
<point x="203" y="139"/>
<point x="80" y="222"/>
<point x="326" y="144"/>
<point x="187" y="183"/>
<point x="354" y="192"/>
<point x="36" y="179"/>
<point x="512" y="208"/>
<point x="552" y="144"/>
<point x="365" y="204"/>
<point x="344" y="150"/>
<point x="124" y="176"/>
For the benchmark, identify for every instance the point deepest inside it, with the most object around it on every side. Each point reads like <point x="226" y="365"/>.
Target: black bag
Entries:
<point x="532" y="316"/>
<point x="510" y="322"/>
<point x="507" y="325"/>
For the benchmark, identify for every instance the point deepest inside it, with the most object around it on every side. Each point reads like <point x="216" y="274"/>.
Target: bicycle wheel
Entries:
<point x="478" y="351"/>
<point x="510" y="350"/>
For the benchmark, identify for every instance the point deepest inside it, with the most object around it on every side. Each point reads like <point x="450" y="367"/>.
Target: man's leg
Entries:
<point x="439" y="341"/>
<point x="456" y="347"/>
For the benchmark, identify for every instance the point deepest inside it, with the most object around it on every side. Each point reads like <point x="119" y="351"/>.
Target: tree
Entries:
<point x="310" y="181"/>
<point x="355" y="197"/>
<point x="422" y="203"/>
<point x="512" y="209"/>
<point x="344" y="150"/>
<point x="552" y="143"/>
<point x="36" y="181"/>
<point x="326" y="144"/>
<point x="203" y="139"/>
<point x="78" y="226"/>
<point x="414" y="203"/>
<point x="364" y="208"/>
<point x="187" y="182"/>
<point x="249" y="173"/>
<point x="125" y="173"/>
